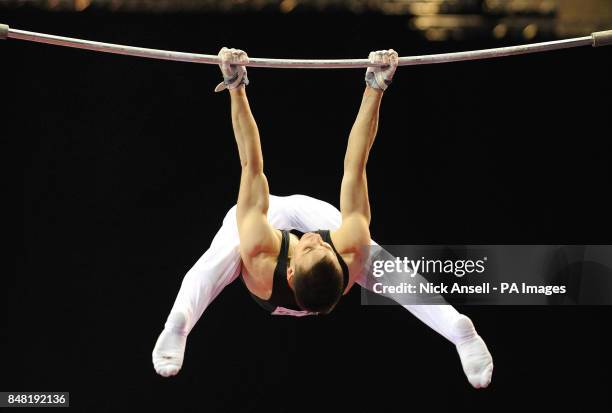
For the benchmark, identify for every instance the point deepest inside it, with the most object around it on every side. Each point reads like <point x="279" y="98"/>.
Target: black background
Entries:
<point x="126" y="166"/>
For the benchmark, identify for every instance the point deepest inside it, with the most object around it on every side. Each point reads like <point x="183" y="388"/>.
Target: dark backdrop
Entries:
<point x="125" y="167"/>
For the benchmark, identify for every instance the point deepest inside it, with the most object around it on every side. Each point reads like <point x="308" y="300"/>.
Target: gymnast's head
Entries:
<point x="315" y="274"/>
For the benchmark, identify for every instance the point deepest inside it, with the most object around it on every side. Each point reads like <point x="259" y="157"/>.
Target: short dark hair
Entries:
<point x="318" y="288"/>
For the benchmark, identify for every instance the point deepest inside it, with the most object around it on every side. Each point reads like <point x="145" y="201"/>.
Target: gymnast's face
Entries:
<point x="311" y="249"/>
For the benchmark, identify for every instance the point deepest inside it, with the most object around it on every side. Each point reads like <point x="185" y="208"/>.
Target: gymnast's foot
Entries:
<point x="475" y="357"/>
<point x="170" y="347"/>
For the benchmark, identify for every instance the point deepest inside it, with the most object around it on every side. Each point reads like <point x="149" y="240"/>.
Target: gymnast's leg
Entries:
<point x="219" y="266"/>
<point x="309" y="213"/>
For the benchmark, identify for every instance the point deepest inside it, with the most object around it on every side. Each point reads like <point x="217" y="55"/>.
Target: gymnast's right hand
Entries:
<point x="380" y="77"/>
<point x="233" y="69"/>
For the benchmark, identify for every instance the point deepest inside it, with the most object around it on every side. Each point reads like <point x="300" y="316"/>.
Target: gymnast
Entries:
<point x="297" y="255"/>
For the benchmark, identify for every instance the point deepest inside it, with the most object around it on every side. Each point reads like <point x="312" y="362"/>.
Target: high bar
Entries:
<point x="596" y="39"/>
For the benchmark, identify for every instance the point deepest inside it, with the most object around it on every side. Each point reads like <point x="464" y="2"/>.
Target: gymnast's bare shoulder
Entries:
<point x="352" y="241"/>
<point x="258" y="264"/>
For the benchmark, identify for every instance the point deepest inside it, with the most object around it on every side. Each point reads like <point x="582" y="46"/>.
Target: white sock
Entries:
<point x="169" y="349"/>
<point x="473" y="352"/>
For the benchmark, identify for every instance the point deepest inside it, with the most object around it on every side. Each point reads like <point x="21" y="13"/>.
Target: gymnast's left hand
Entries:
<point x="233" y="68"/>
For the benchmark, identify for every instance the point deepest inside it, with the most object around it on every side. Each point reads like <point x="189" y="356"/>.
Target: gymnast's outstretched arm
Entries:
<point x="354" y="233"/>
<point x="256" y="234"/>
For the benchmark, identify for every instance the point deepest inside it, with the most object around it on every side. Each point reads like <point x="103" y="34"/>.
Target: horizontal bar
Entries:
<point x="596" y="39"/>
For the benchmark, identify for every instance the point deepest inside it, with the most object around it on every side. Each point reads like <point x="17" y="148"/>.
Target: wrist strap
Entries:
<point x="227" y="82"/>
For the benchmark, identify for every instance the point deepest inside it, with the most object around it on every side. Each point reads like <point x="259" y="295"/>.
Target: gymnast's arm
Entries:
<point x="256" y="233"/>
<point x="354" y="202"/>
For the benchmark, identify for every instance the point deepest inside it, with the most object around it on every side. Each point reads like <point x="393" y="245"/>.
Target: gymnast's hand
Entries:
<point x="233" y="69"/>
<point x="379" y="77"/>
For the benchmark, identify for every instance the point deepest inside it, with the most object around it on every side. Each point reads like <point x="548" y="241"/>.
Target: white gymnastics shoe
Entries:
<point x="475" y="357"/>
<point x="169" y="349"/>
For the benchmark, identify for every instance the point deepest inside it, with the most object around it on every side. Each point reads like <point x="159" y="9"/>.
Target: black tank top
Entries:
<point x="282" y="301"/>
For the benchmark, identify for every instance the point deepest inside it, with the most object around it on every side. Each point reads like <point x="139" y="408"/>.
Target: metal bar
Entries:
<point x="303" y="63"/>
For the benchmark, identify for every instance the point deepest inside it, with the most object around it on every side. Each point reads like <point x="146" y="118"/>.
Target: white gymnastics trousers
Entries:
<point x="221" y="263"/>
